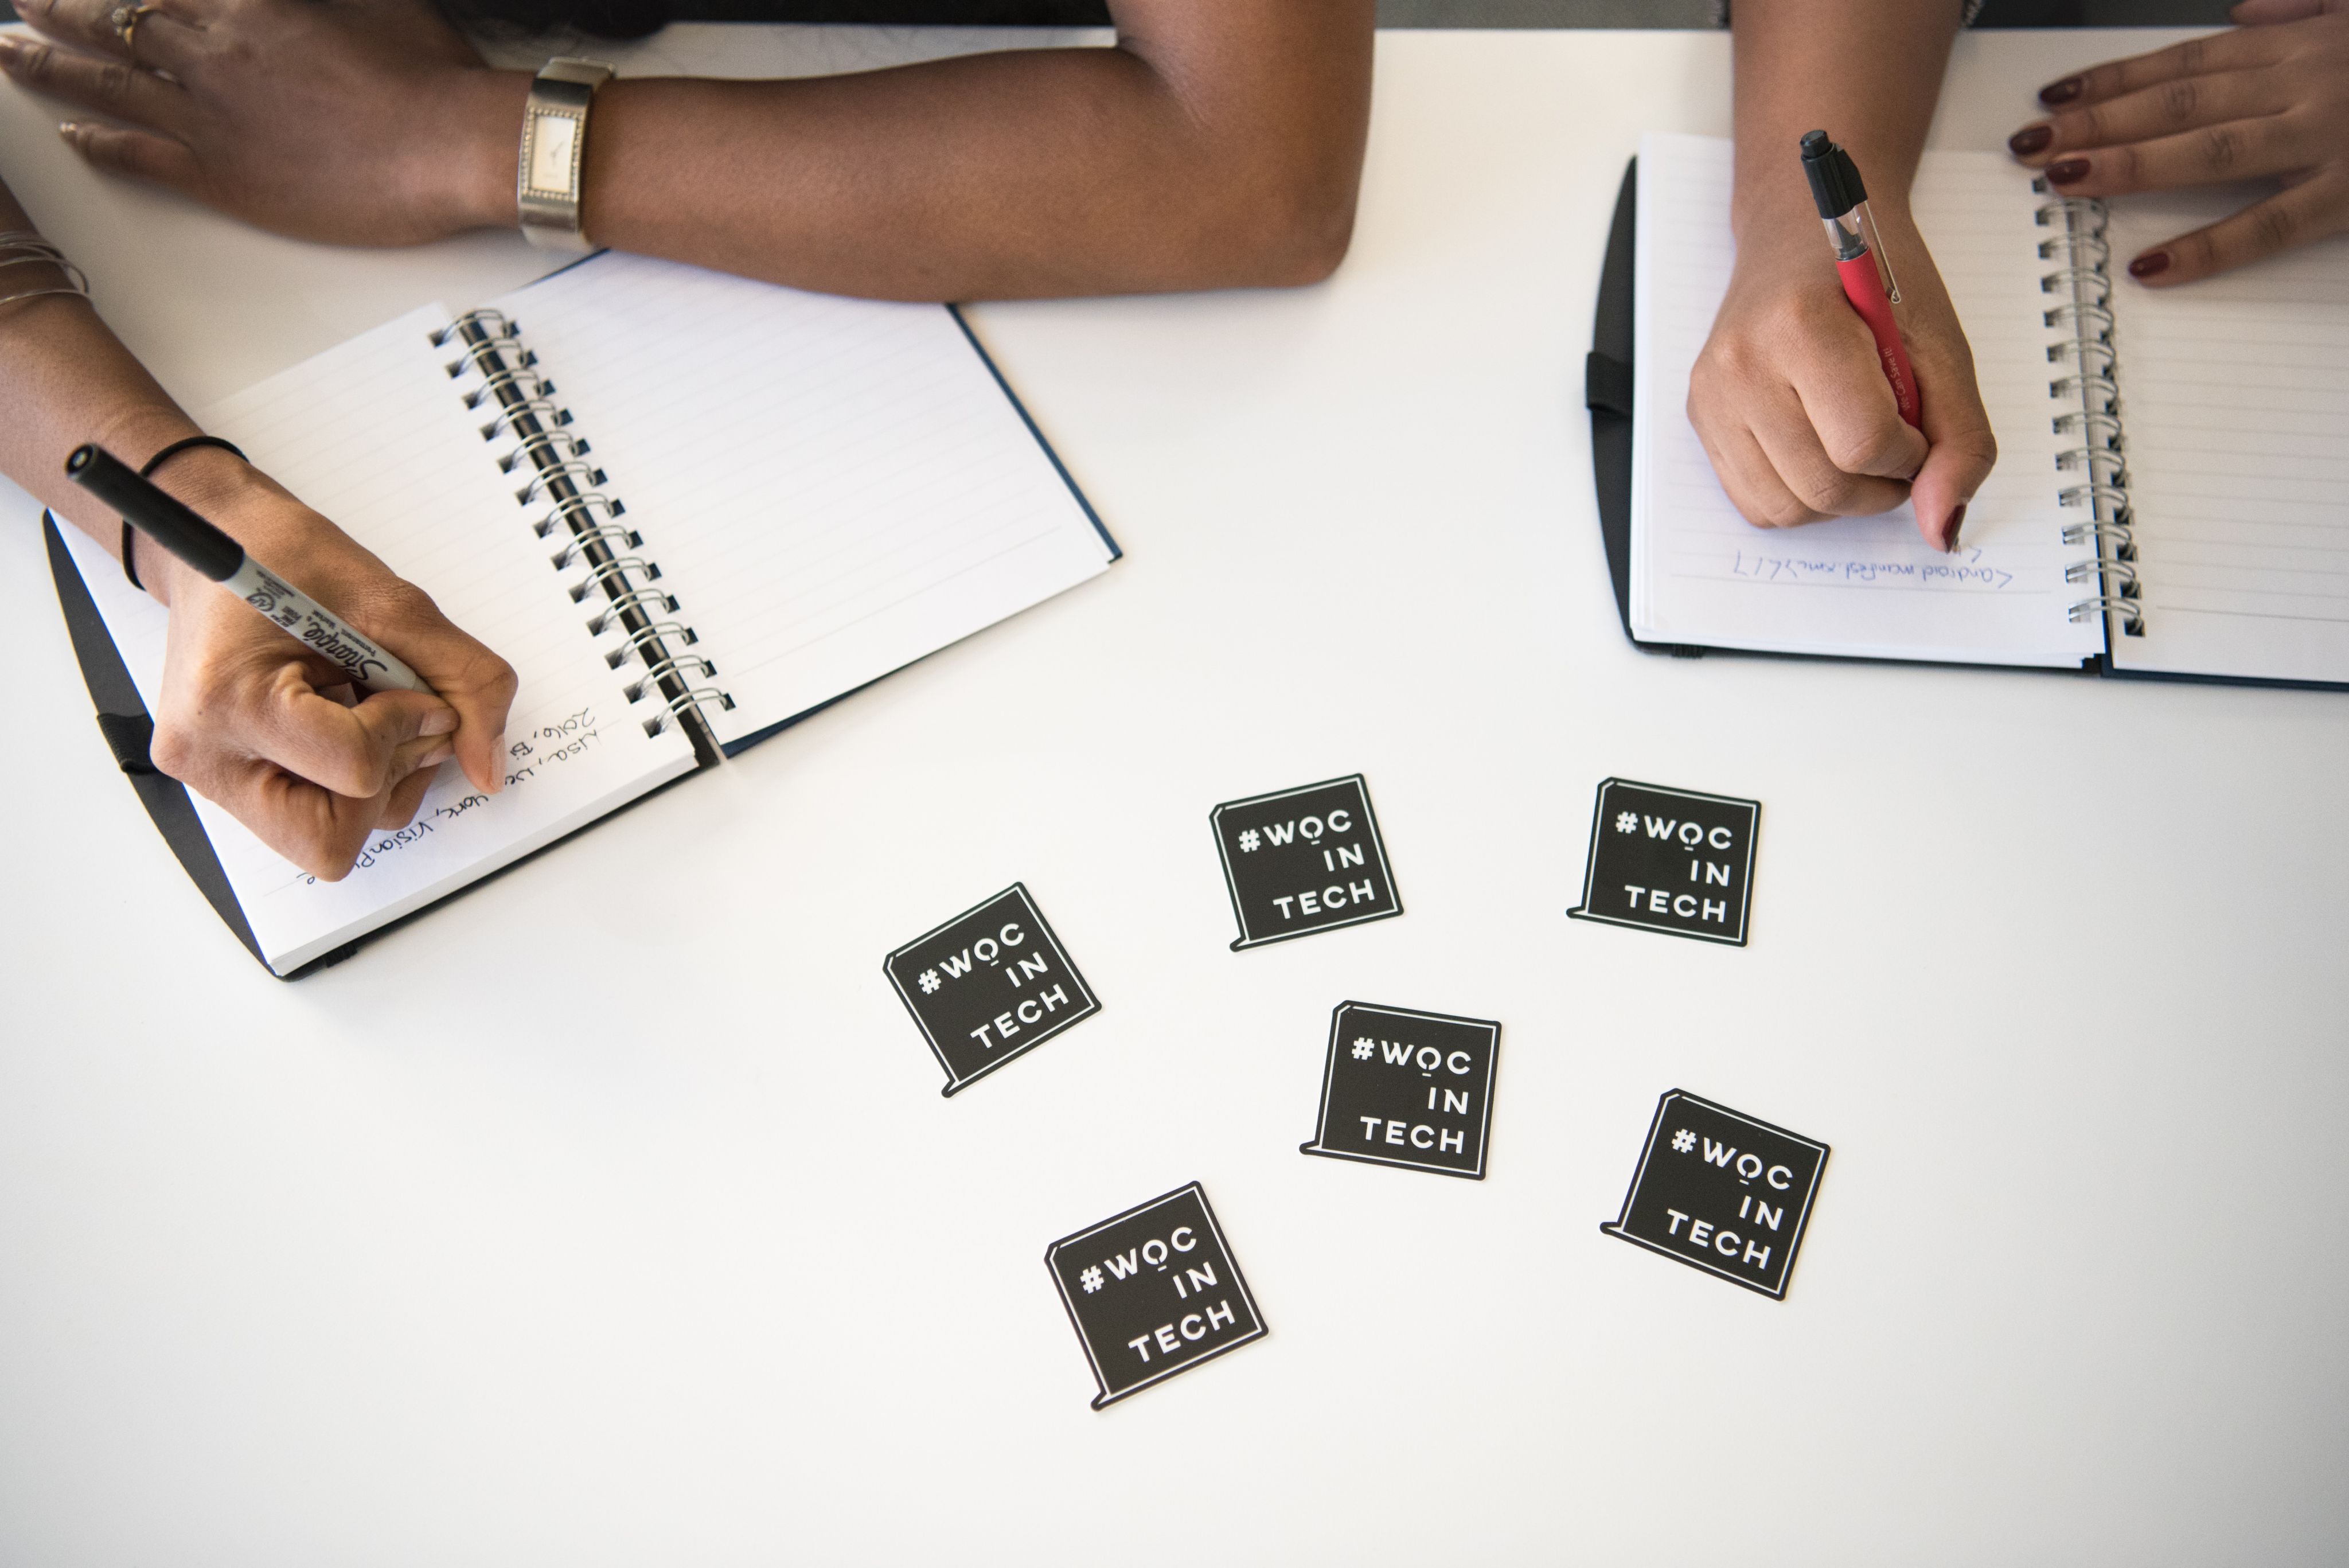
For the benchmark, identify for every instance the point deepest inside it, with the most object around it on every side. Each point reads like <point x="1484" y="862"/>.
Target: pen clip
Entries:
<point x="1866" y="223"/>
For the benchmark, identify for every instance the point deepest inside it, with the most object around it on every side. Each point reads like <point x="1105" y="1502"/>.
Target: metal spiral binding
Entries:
<point x="538" y="406"/>
<point x="633" y="599"/>
<point x="650" y="641"/>
<point x="539" y="442"/>
<point x="611" y="533"/>
<point x="490" y="348"/>
<point x="572" y="512"/>
<point x="509" y="377"/>
<point x="2084" y="315"/>
<point x="610" y="573"/>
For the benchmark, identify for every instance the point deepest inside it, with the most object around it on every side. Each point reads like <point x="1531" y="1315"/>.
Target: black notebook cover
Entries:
<point x="123" y="719"/>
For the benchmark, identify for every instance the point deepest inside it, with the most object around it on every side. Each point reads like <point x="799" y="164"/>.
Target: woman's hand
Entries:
<point x="252" y="719"/>
<point x="1792" y="404"/>
<point x="2268" y="99"/>
<point x="356" y="122"/>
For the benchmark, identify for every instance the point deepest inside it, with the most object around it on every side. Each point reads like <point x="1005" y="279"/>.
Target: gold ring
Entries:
<point x="124" y="20"/>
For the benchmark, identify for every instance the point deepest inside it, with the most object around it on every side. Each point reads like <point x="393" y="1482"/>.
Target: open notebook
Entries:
<point x="685" y="508"/>
<point x="2171" y="462"/>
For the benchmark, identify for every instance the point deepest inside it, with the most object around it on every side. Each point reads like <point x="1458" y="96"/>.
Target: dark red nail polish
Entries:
<point x="1949" y="534"/>
<point x="2151" y="265"/>
<point x="2064" y="91"/>
<point x="2064" y="171"/>
<point x="2031" y="139"/>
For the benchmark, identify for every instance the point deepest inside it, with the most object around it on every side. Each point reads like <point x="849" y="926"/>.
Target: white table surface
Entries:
<point x="611" y="1214"/>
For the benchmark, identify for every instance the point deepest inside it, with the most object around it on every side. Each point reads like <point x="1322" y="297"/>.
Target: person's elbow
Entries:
<point x="1284" y="224"/>
<point x="1311" y="228"/>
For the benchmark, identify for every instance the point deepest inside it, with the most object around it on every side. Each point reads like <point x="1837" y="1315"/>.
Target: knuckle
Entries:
<point x="1702" y="376"/>
<point x="1860" y="452"/>
<point x="2193" y="56"/>
<point x="39" y="67"/>
<point x="1831" y="492"/>
<point x="2275" y="225"/>
<point x="174" y="749"/>
<point x="2178" y="100"/>
<point x="357" y="775"/>
<point x="2090" y="124"/>
<point x="2222" y="146"/>
<point x="413" y="601"/>
<point x="2126" y="162"/>
<point x="1732" y="357"/>
<point x="113" y="80"/>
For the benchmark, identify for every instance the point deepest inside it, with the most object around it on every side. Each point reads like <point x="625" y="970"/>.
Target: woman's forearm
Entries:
<point x="1867" y="71"/>
<point x="1215" y="146"/>
<point x="66" y="380"/>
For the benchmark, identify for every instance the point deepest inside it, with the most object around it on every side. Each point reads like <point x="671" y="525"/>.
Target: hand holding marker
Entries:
<point x="1868" y="280"/>
<point x="213" y="554"/>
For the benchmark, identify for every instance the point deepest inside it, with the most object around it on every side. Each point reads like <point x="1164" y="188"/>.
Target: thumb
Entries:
<point x="1961" y="449"/>
<point x="135" y="154"/>
<point x="1954" y="469"/>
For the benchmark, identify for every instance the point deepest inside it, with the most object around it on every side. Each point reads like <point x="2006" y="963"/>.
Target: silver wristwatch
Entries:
<point x="553" y="152"/>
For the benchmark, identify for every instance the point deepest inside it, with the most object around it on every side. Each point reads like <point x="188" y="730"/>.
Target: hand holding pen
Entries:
<point x="251" y="715"/>
<point x="1794" y="395"/>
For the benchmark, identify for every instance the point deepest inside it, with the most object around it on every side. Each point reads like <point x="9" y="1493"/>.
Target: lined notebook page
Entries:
<point x="833" y="488"/>
<point x="2235" y="417"/>
<point x="375" y="435"/>
<point x="1856" y="586"/>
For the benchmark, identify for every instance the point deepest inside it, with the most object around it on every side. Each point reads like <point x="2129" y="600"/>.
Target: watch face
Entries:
<point x="553" y="139"/>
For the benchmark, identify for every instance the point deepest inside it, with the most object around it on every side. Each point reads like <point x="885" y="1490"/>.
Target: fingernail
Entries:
<point x="440" y="722"/>
<point x="2031" y="139"/>
<point x="1949" y="534"/>
<point x="2064" y="91"/>
<point x="68" y="128"/>
<point x="9" y="47"/>
<point x="2150" y="264"/>
<point x="2064" y="171"/>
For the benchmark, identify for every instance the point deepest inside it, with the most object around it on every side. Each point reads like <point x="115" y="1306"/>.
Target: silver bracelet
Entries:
<point x="21" y="247"/>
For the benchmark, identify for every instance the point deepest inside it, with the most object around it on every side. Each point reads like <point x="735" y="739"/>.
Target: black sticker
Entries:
<point x="1152" y="1292"/>
<point x="990" y="983"/>
<point x="1304" y="860"/>
<point x="1671" y="860"/>
<point x="1721" y="1192"/>
<point x="1408" y="1088"/>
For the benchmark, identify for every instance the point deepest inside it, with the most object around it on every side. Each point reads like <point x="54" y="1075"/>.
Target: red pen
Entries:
<point x="1866" y="276"/>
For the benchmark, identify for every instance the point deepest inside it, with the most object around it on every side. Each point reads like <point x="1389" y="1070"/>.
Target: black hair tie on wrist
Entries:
<point x="147" y="471"/>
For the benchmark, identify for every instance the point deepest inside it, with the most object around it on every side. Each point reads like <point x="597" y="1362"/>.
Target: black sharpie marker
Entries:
<point x="171" y="524"/>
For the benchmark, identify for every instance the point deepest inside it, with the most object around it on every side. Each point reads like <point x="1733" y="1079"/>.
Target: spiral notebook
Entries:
<point x="2166" y="498"/>
<point x="687" y="509"/>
